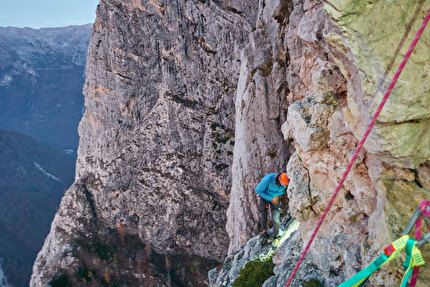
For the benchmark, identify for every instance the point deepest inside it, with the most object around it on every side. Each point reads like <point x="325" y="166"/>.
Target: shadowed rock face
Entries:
<point x="261" y="97"/>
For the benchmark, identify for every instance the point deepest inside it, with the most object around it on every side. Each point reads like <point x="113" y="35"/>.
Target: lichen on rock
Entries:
<point x="370" y="59"/>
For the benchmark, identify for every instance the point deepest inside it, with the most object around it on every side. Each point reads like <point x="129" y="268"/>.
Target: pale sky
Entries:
<point x="47" y="13"/>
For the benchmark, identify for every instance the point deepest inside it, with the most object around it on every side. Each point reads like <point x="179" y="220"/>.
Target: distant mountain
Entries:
<point x="33" y="179"/>
<point x="41" y="78"/>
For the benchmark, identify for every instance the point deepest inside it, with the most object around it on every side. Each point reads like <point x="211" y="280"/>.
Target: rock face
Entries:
<point x="256" y="250"/>
<point x="369" y="59"/>
<point x="260" y="111"/>
<point x="156" y="139"/>
<point x="285" y="256"/>
<point x="158" y="128"/>
<point x="336" y="65"/>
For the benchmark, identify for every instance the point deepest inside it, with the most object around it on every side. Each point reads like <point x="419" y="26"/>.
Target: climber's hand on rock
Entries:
<point x="275" y="200"/>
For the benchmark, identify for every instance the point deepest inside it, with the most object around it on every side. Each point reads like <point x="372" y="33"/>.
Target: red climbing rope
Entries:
<point x="360" y="145"/>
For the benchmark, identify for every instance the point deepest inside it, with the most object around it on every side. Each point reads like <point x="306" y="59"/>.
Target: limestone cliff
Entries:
<point x="157" y="135"/>
<point x="171" y="87"/>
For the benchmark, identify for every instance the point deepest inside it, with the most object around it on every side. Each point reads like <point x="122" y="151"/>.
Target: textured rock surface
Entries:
<point x="58" y="244"/>
<point x="230" y="270"/>
<point x="330" y="101"/>
<point x="159" y="127"/>
<point x="100" y="250"/>
<point x="158" y="132"/>
<point x="260" y="110"/>
<point x="359" y="226"/>
<point x="286" y="256"/>
<point x="308" y="119"/>
<point x="258" y="249"/>
<point x="365" y="55"/>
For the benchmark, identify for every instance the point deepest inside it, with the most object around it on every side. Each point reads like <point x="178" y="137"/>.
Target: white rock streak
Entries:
<point x="39" y="167"/>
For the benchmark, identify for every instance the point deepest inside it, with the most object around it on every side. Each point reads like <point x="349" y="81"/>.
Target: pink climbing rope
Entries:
<point x="360" y="145"/>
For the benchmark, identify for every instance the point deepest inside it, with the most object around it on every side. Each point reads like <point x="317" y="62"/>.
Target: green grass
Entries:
<point x="312" y="283"/>
<point x="255" y="273"/>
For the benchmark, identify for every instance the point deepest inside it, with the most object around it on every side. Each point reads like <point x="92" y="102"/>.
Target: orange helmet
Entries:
<point x="283" y="179"/>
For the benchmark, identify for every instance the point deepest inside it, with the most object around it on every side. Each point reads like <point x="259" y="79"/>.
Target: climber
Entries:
<point x="270" y="189"/>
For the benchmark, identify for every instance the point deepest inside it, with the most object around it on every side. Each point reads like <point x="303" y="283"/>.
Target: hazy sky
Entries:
<point x="47" y="13"/>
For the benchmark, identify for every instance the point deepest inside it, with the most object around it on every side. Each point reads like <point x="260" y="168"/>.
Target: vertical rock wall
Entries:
<point x="158" y="130"/>
<point x="339" y="63"/>
<point x="156" y="139"/>
<point x="158" y="133"/>
<point x="345" y="55"/>
<point x="260" y="110"/>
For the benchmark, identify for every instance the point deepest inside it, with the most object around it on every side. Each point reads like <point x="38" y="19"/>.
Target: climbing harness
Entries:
<point x="360" y="145"/>
<point x="413" y="259"/>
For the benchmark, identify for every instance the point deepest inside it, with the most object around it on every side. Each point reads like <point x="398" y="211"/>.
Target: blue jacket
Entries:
<point x="268" y="189"/>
